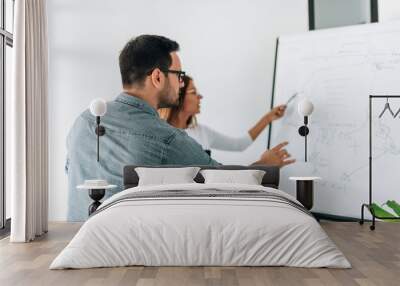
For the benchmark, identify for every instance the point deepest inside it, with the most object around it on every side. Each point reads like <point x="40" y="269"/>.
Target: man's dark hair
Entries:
<point x="143" y="54"/>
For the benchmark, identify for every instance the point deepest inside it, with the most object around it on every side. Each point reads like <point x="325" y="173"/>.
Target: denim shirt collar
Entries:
<point x="136" y="102"/>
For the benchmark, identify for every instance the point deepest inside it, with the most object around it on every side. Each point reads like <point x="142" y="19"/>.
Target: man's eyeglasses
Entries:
<point x="180" y="74"/>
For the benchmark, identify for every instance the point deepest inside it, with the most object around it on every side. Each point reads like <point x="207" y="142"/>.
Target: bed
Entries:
<point x="201" y="224"/>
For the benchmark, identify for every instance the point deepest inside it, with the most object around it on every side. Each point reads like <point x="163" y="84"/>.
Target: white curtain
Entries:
<point x="29" y="148"/>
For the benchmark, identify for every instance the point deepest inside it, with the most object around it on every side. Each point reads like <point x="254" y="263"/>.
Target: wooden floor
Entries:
<point x="375" y="257"/>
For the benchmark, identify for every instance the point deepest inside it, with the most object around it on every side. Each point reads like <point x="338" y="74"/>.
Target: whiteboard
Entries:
<point x="337" y="69"/>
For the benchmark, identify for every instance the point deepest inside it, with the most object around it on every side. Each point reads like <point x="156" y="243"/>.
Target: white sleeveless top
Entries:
<point x="211" y="139"/>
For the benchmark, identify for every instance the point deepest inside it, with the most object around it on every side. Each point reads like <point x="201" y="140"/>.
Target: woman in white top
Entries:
<point x="184" y="116"/>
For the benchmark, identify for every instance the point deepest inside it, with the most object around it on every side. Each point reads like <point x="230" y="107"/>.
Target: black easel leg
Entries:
<point x="362" y="214"/>
<point x="371" y="210"/>
<point x="372" y="227"/>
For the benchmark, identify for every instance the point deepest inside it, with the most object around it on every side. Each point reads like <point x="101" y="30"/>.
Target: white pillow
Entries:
<point x="163" y="176"/>
<point x="248" y="177"/>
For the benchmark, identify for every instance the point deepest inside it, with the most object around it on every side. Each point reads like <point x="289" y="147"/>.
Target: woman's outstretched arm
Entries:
<point x="275" y="113"/>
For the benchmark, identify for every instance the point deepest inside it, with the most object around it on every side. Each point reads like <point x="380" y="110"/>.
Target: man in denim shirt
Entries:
<point x="134" y="133"/>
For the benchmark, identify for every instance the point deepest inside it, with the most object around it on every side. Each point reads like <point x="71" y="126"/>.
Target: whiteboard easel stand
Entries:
<point x="369" y="205"/>
<point x="273" y="91"/>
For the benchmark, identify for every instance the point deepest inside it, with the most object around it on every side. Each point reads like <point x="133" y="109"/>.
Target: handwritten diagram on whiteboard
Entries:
<point x="337" y="69"/>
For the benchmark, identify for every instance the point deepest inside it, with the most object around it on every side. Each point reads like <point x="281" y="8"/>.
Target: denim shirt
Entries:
<point x="134" y="135"/>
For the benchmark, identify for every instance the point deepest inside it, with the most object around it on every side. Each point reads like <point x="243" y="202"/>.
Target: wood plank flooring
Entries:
<point x="375" y="257"/>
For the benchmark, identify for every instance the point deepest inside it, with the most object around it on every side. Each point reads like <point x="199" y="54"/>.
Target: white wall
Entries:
<point x="228" y="46"/>
<point x="388" y="10"/>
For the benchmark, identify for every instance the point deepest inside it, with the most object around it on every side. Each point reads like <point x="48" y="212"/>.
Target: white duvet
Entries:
<point x="200" y="231"/>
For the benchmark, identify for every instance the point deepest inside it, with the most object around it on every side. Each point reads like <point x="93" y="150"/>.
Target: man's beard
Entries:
<point x="165" y="97"/>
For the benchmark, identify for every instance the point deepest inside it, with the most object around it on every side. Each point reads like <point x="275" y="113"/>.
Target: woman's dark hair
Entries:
<point x="169" y="113"/>
<point x="182" y="92"/>
<point x="143" y="54"/>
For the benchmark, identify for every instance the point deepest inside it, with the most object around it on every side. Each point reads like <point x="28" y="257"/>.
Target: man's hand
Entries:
<point x="276" y="112"/>
<point x="276" y="156"/>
